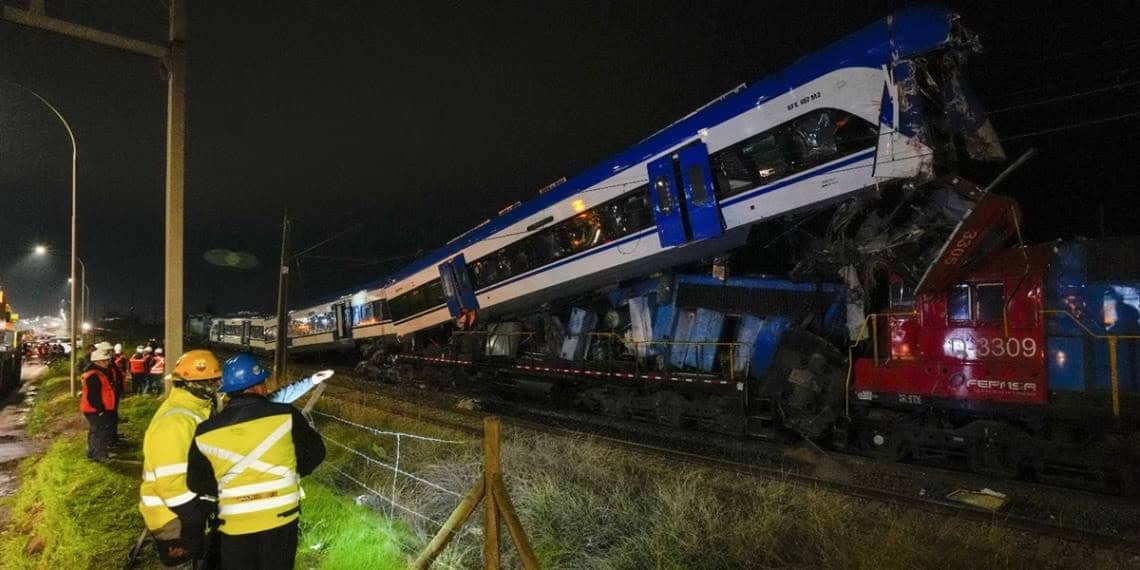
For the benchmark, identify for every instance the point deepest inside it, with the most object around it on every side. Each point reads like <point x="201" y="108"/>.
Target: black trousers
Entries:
<point x="273" y="549"/>
<point x="100" y="434"/>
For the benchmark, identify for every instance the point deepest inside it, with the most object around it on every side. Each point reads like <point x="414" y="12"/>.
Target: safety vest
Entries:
<point x="106" y="392"/>
<point x="138" y="364"/>
<point x="159" y="366"/>
<point x="165" y="447"/>
<point x="255" y="465"/>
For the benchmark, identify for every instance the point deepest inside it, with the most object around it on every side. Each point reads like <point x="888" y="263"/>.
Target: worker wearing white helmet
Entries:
<point x="156" y="372"/>
<point x="140" y="369"/>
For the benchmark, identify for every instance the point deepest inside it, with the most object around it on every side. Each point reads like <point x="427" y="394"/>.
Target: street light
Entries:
<point x="40" y="250"/>
<point x="74" y="164"/>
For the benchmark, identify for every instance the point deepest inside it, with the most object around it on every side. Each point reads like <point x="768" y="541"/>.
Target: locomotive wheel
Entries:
<point x="883" y="444"/>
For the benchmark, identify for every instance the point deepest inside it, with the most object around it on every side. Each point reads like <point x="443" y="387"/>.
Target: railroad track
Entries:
<point x="527" y="418"/>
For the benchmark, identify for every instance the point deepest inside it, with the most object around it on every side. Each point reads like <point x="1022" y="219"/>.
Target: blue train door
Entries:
<point x="457" y="286"/>
<point x="700" y="198"/>
<point x="683" y="195"/>
<point x="666" y="201"/>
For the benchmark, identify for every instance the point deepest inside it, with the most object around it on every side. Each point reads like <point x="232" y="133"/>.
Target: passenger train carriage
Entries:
<point x="628" y="287"/>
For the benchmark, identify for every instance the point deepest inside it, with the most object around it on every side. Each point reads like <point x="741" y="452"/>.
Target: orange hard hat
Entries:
<point x="197" y="366"/>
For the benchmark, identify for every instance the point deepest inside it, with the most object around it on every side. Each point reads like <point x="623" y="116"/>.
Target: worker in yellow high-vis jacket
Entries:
<point x="251" y="456"/>
<point x="176" y="516"/>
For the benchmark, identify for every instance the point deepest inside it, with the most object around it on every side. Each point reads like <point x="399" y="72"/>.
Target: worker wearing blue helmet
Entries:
<point x="251" y="456"/>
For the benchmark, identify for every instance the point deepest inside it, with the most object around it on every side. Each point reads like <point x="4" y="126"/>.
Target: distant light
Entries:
<point x="1060" y="358"/>
<point x="86" y="327"/>
<point x="579" y="205"/>
<point x="69" y="281"/>
<point x="40" y="250"/>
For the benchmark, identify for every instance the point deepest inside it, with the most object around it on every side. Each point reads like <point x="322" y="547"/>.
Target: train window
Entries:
<point x="902" y="295"/>
<point x="958" y="304"/>
<point x="794" y="146"/>
<point x="604" y="223"/>
<point x="380" y="310"/>
<point x="697" y="183"/>
<point x="664" y="195"/>
<point x="422" y="298"/>
<point x="991" y="301"/>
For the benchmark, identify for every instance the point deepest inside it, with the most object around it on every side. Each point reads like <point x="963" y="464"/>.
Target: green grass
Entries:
<point x="73" y="513"/>
<point x="337" y="533"/>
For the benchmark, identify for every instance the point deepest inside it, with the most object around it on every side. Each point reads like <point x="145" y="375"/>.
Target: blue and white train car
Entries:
<point x="878" y="107"/>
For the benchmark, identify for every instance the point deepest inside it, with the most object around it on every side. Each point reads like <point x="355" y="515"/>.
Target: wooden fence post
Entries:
<point x="489" y="489"/>
<point x="490" y="514"/>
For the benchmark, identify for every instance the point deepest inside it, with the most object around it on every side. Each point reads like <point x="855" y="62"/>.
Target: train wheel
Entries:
<point x="882" y="443"/>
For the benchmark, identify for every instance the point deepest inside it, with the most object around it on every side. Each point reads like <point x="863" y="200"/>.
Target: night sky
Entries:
<point x="414" y="123"/>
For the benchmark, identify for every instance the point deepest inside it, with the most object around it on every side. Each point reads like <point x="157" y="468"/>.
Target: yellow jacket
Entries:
<point x="251" y="456"/>
<point x="165" y="447"/>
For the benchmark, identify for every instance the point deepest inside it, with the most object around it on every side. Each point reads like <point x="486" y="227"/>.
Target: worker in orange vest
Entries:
<point x="157" y="371"/>
<point x="98" y="404"/>
<point x="139" y="367"/>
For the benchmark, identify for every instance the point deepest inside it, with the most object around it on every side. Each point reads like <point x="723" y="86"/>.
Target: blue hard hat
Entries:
<point x="241" y="372"/>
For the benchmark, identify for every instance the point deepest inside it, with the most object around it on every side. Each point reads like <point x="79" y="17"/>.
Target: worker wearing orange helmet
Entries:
<point x="175" y="516"/>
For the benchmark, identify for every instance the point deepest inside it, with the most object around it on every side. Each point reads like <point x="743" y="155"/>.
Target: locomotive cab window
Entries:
<point x="958" y="304"/>
<point x="991" y="299"/>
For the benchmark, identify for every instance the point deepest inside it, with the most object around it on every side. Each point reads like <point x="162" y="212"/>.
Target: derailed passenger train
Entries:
<point x="644" y="287"/>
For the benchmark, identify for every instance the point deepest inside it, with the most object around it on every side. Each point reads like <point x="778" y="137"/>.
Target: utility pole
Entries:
<point x="280" y="358"/>
<point x="173" y="58"/>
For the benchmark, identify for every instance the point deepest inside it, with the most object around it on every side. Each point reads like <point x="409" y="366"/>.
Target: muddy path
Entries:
<point x="14" y="442"/>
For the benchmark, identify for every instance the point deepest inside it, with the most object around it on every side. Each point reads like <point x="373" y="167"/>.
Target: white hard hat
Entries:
<point x="148" y="349"/>
<point x="118" y="348"/>
<point x="103" y="345"/>
<point x="101" y="354"/>
<point x="139" y="348"/>
<point x="158" y="350"/>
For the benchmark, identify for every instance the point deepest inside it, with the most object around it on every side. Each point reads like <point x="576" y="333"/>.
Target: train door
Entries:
<point x="343" y="317"/>
<point x="683" y="196"/>
<point x="245" y="333"/>
<point x="457" y="286"/>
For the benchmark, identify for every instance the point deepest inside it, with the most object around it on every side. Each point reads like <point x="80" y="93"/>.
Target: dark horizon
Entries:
<point x="417" y="125"/>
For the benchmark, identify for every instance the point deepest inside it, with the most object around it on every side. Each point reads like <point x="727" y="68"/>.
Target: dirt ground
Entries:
<point x="14" y="443"/>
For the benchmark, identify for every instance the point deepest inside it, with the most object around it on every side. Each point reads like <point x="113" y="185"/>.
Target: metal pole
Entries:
<point x="280" y="352"/>
<point x="175" y="179"/>
<point x="82" y="294"/>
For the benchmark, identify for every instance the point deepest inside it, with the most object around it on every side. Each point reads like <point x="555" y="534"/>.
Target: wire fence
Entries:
<point x="392" y="498"/>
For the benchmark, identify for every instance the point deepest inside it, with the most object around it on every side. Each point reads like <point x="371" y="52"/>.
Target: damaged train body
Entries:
<point x="715" y="274"/>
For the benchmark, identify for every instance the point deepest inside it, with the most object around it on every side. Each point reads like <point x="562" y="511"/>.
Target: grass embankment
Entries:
<point x="585" y="504"/>
<point x="73" y="513"/>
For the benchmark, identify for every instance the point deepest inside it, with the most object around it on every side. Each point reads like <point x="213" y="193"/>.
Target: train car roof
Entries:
<point x="906" y="32"/>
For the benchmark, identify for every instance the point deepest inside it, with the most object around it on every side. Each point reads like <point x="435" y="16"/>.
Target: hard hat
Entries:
<point x="241" y="372"/>
<point x="139" y="348"/>
<point x="196" y="366"/>
<point x="148" y="349"/>
<point x="158" y="350"/>
<point x="103" y="345"/>
<point x="101" y="354"/>
<point x="118" y="348"/>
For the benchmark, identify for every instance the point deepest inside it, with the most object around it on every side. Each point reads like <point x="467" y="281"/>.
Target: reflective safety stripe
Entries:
<point x="259" y="505"/>
<point x="256" y="488"/>
<point x="226" y="454"/>
<point x="152" y="501"/>
<point x="254" y="455"/>
<point x="181" y="499"/>
<point x="168" y="470"/>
